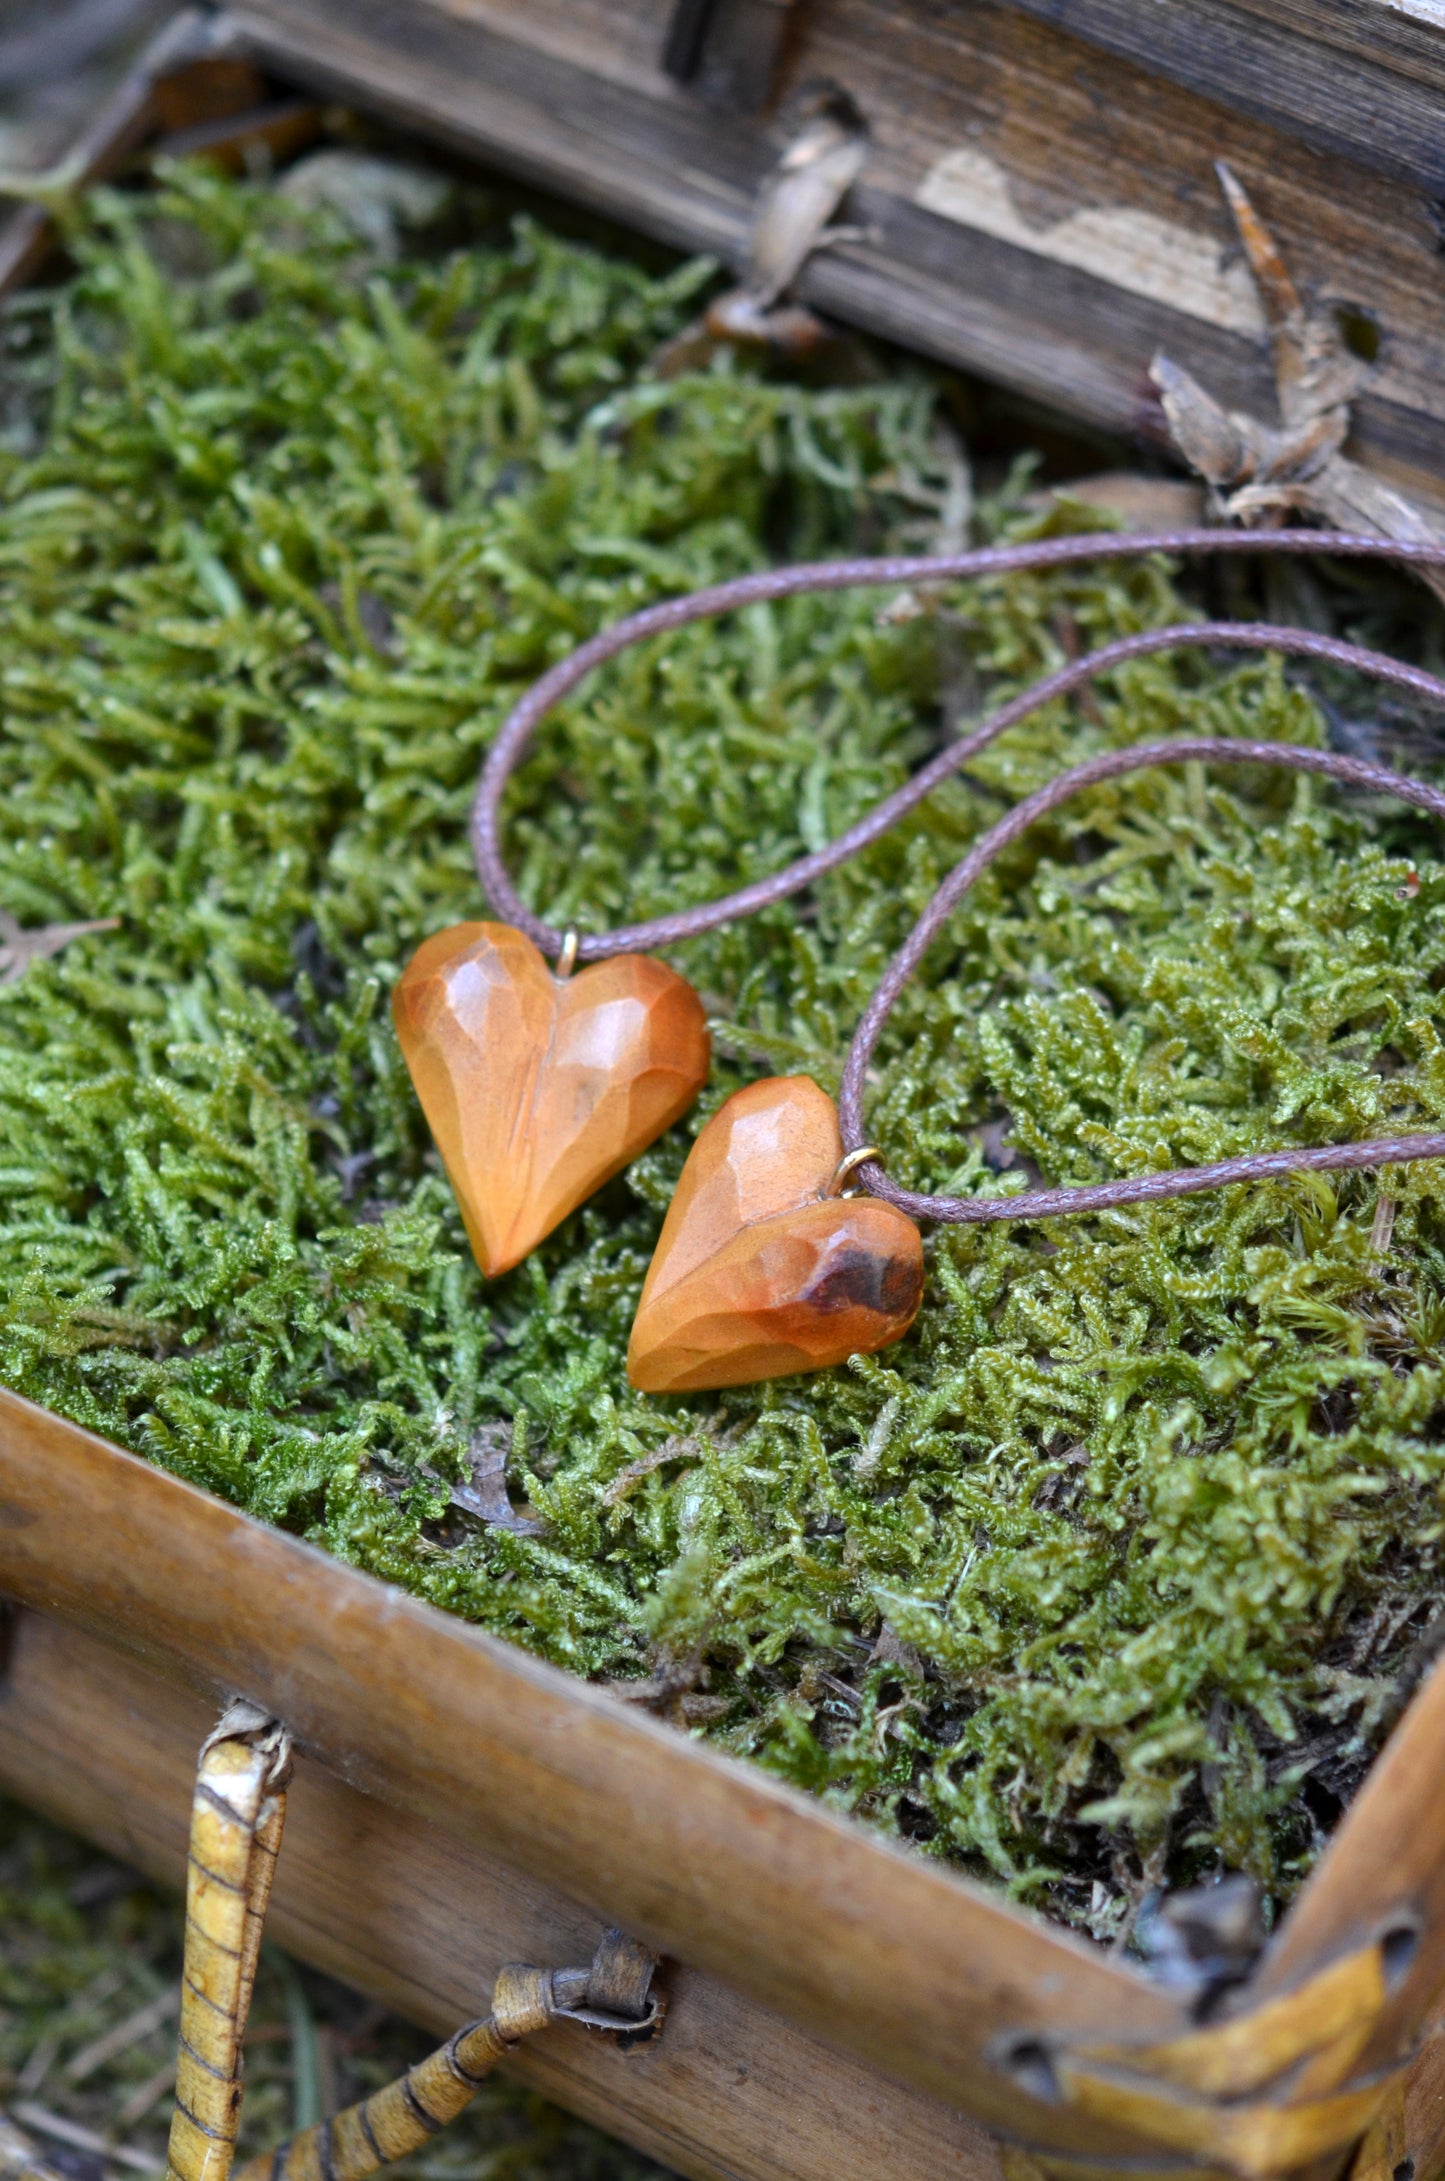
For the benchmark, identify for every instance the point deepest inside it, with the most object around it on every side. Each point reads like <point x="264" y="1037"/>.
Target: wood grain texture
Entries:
<point x="760" y="1270"/>
<point x="1039" y="209"/>
<point x="538" y="1089"/>
<point x="918" y="1976"/>
<point x="1340" y="79"/>
<point x="405" y="1911"/>
<point x="878" y="1951"/>
<point x="1422" y="2137"/>
<point x="1404" y="36"/>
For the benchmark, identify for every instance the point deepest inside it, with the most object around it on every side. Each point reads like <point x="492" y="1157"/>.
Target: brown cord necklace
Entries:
<point x="539" y="1085"/>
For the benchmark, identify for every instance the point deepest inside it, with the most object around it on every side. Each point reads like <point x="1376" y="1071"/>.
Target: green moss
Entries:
<point x="1149" y="1504"/>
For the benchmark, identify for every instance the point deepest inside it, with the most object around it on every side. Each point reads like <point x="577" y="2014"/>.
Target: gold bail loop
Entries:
<point x="567" y="959"/>
<point x="848" y="1164"/>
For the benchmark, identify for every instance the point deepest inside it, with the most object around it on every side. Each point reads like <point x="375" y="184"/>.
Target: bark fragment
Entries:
<point x="791" y="220"/>
<point x="1261" y="474"/>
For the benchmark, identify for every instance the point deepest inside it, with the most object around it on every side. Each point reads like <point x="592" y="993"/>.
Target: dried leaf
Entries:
<point x="891" y="1650"/>
<point x="790" y="221"/>
<point x="486" y="1494"/>
<point x="1138" y="501"/>
<point x="1207" y="436"/>
<point x="1260" y="473"/>
<point x="800" y="196"/>
<point x="1277" y="292"/>
<point x="20" y="947"/>
<point x="676" y="1690"/>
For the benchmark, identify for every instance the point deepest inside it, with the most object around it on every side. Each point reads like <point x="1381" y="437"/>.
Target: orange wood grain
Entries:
<point x="538" y="1089"/>
<point x="758" y="1272"/>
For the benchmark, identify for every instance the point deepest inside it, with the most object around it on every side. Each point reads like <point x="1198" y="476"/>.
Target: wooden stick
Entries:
<point x="19" y="2159"/>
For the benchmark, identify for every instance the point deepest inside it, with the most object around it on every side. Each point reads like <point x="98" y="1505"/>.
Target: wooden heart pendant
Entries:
<point x="537" y="1089"/>
<point x="757" y="1273"/>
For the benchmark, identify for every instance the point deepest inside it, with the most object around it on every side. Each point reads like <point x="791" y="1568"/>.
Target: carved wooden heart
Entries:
<point x="756" y="1273"/>
<point x="537" y="1088"/>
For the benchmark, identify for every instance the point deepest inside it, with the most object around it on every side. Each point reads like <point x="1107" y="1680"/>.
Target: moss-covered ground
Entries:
<point x="1117" y="1561"/>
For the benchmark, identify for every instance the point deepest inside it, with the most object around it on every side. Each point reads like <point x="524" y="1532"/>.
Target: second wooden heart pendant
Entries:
<point x="538" y="1089"/>
<point x="757" y="1272"/>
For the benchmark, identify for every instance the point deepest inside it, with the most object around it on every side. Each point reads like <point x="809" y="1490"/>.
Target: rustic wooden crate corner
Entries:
<point x="1040" y="203"/>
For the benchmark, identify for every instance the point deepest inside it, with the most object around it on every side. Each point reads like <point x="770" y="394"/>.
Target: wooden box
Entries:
<point x="839" y="2007"/>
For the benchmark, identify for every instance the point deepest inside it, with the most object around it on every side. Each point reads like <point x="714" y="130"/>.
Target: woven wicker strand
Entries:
<point x="237" y="1816"/>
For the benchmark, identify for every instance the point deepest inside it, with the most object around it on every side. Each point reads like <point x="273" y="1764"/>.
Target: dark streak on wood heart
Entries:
<point x="758" y="1272"/>
<point x="862" y="1281"/>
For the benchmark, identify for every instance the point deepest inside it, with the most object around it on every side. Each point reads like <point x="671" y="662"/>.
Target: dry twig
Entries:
<point x="123" y="2035"/>
<point x="42" y="2122"/>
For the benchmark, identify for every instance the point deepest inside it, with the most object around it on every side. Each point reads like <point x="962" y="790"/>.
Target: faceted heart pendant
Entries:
<point x="538" y="1088"/>
<point x="757" y="1273"/>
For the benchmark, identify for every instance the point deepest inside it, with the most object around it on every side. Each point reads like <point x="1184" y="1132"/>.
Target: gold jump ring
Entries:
<point x="567" y="959"/>
<point x="849" y="1161"/>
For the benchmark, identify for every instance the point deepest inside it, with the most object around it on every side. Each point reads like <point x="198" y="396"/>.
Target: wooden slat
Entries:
<point x="1423" y="2142"/>
<point x="1407" y="36"/>
<point x="863" y="1946"/>
<point x="118" y="124"/>
<point x="1364" y="81"/>
<point x="1039" y="210"/>
<point x="875" y="1949"/>
<point x="405" y="1911"/>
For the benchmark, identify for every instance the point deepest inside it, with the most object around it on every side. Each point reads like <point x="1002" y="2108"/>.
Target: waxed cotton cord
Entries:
<point x="1138" y="1188"/>
<point x="521" y="723"/>
<point x="527" y="714"/>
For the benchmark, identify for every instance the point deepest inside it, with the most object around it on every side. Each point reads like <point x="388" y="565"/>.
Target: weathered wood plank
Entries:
<point x="1038" y="209"/>
<point x="403" y="1910"/>
<point x="1405" y="35"/>
<point x="1335" y="78"/>
<point x="119" y="123"/>
<point x="878" y="1951"/>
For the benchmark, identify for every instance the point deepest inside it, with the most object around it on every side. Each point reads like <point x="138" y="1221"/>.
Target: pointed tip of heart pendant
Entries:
<point x="757" y="1274"/>
<point x="537" y="1089"/>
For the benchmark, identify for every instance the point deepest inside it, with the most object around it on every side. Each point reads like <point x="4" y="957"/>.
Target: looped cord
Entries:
<point x="1140" y="1188"/>
<point x="523" y="720"/>
<point x="521" y="723"/>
